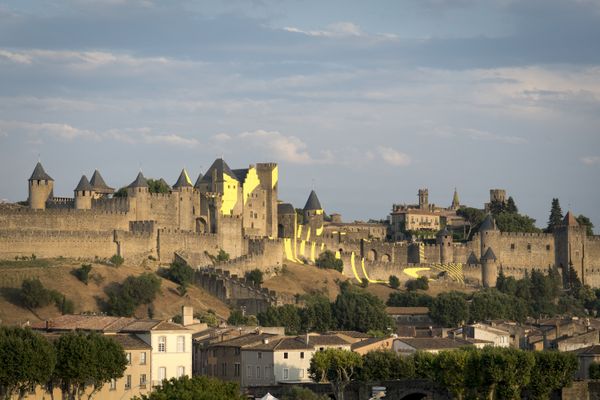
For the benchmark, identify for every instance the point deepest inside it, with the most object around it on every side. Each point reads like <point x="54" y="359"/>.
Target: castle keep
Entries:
<point x="238" y="210"/>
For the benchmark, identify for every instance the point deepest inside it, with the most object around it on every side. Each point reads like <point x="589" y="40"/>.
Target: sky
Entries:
<point x="366" y="102"/>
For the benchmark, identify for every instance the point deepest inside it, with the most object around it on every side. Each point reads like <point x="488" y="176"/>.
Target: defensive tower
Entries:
<point x="41" y="188"/>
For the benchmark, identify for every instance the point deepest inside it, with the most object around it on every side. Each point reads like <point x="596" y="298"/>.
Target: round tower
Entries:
<point x="41" y="188"/>
<point x="184" y="190"/>
<point x="444" y="241"/>
<point x="137" y="195"/>
<point x="489" y="269"/>
<point x="488" y="234"/>
<point x="313" y="212"/>
<point x="84" y="192"/>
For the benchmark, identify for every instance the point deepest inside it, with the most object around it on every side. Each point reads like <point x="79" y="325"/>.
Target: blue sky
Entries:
<point x="367" y="101"/>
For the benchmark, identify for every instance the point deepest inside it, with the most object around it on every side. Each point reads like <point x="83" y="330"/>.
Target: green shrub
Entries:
<point x="180" y="273"/>
<point x="327" y="260"/>
<point x="394" y="282"/>
<point x="82" y="273"/>
<point x="421" y="283"/>
<point x="255" y="276"/>
<point x="222" y="256"/>
<point x="116" y="260"/>
<point x="34" y="294"/>
<point x="594" y="370"/>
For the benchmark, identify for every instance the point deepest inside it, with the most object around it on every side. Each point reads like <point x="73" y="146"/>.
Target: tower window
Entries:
<point x="548" y="247"/>
<point x="512" y="246"/>
<point x="529" y="246"/>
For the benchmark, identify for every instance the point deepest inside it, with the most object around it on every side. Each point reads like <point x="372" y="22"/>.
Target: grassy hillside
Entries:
<point x="302" y="279"/>
<point x="56" y="274"/>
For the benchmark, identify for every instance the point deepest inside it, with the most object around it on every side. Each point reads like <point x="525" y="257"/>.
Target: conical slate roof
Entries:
<point x="39" y="174"/>
<point x="140" y="182"/>
<point x="313" y="202"/>
<point x="489" y="255"/>
<point x="570" y="220"/>
<point x="488" y="224"/>
<point x="455" y="201"/>
<point x="98" y="183"/>
<point x="197" y="184"/>
<point x="183" y="180"/>
<point x="84" y="184"/>
<point x="221" y="167"/>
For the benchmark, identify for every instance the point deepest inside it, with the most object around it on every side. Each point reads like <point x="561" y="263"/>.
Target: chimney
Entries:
<point x="266" y="340"/>
<point x="188" y="315"/>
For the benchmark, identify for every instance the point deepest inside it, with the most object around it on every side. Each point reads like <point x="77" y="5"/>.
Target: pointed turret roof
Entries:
<point x="98" y="183"/>
<point x="488" y="224"/>
<point x="84" y="184"/>
<point x="39" y="174"/>
<point x="221" y="167"/>
<point x="140" y="182"/>
<point x="570" y="220"/>
<point x="183" y="180"/>
<point x="489" y="255"/>
<point x="197" y="184"/>
<point x="313" y="202"/>
<point x="455" y="201"/>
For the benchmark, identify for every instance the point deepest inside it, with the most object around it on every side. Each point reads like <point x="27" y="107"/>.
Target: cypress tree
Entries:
<point x="556" y="216"/>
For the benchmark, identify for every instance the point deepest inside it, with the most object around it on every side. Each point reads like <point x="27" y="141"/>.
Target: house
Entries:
<point x="411" y="316"/>
<point x="586" y="356"/>
<point x="373" y="344"/>
<point x="577" y="341"/>
<point x="494" y="336"/>
<point x="407" y="346"/>
<point x="168" y="345"/>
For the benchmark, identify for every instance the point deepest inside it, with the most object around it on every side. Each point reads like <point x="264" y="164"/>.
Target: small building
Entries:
<point x="411" y="316"/>
<point x="586" y="356"/>
<point x="408" y="346"/>
<point x="577" y="341"/>
<point x="495" y="336"/>
<point x="373" y="344"/>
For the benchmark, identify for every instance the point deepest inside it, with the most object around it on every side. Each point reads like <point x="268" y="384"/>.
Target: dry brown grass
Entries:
<point x="57" y="276"/>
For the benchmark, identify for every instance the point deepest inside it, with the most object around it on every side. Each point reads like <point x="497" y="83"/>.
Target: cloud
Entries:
<point x="449" y="132"/>
<point x="591" y="160"/>
<point x="394" y="157"/>
<point x="146" y="135"/>
<point x="222" y="137"/>
<point x="342" y="29"/>
<point x="59" y="131"/>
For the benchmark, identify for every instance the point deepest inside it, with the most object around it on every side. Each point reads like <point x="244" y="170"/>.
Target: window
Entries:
<point x="180" y="371"/>
<point x="162" y="344"/>
<point x="142" y="381"/>
<point x="548" y="247"/>
<point x="113" y="384"/>
<point x="128" y="382"/>
<point x="128" y="355"/>
<point x="285" y="355"/>
<point x="181" y="344"/>
<point x="529" y="246"/>
<point x="162" y="373"/>
<point x="143" y="358"/>
<point x="249" y="372"/>
<point x="286" y="374"/>
<point x="512" y="246"/>
<point x="223" y="369"/>
<point x="301" y="354"/>
<point x="236" y="371"/>
<point x="258" y="371"/>
<point x="259" y="355"/>
<point x="301" y="373"/>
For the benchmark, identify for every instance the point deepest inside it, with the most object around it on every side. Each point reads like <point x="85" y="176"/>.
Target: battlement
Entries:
<point x="142" y="226"/>
<point x="58" y="211"/>
<point x="527" y="235"/>
<point x="12" y="235"/>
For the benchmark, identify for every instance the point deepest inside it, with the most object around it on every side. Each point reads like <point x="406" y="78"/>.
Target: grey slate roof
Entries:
<point x="285" y="209"/>
<point x="488" y="224"/>
<point x="221" y="167"/>
<point x="39" y="174"/>
<point x="489" y="255"/>
<point x="197" y="184"/>
<point x="98" y="183"/>
<point x="313" y="202"/>
<point x="183" y="180"/>
<point x="241" y="174"/>
<point x="140" y="182"/>
<point x="84" y="184"/>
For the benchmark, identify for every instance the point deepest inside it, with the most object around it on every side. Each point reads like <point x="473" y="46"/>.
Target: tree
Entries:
<point x="514" y="222"/>
<point x="82" y="273"/>
<point x="451" y="371"/>
<point x="158" y="186"/>
<point x="26" y="358"/>
<point x="493" y="304"/>
<point x="116" y="260"/>
<point x="474" y="216"/>
<point x="34" y="294"/>
<point x="355" y="309"/>
<point x="181" y="273"/>
<point x="134" y="291"/>
<point x="421" y="283"/>
<point x="196" y="388"/>
<point x="255" y="276"/>
<point x="86" y="361"/>
<point x="338" y="367"/>
<point x="300" y="393"/>
<point x="424" y="365"/>
<point x="584" y="221"/>
<point x="394" y="282"/>
<point x="505" y="371"/>
<point x="237" y="317"/>
<point x="317" y="315"/>
<point x="551" y="371"/>
<point x="385" y="365"/>
<point x="556" y="216"/>
<point x="449" y="309"/>
<point x="222" y="256"/>
<point x="594" y="370"/>
<point x="511" y="207"/>
<point x="327" y="260"/>
<point x="286" y="315"/>
<point x="409" y="299"/>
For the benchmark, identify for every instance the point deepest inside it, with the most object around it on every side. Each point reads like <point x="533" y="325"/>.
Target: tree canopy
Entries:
<point x="196" y="388"/>
<point x="327" y="260"/>
<point x="556" y="216"/>
<point x="449" y="309"/>
<point x="338" y="367"/>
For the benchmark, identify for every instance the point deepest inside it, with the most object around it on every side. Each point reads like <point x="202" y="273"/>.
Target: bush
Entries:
<point x="180" y="273"/>
<point x="364" y="282"/>
<point x="82" y="273"/>
<point x="133" y="292"/>
<point x="116" y="260"/>
<point x="594" y="370"/>
<point x="237" y="318"/>
<point x="327" y="260"/>
<point x="300" y="393"/>
<point x="255" y="276"/>
<point x="394" y="282"/>
<point x="34" y="294"/>
<point x="209" y="318"/>
<point x="409" y="299"/>
<point x="222" y="256"/>
<point x="421" y="283"/>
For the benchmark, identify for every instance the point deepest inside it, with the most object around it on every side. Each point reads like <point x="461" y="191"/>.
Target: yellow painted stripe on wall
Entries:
<point x="362" y="262"/>
<point x="313" y="250"/>
<point x="353" y="265"/>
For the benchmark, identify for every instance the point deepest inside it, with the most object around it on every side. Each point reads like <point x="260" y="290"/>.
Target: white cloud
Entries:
<point x="591" y="160"/>
<point x="341" y="29"/>
<point x="60" y="131"/>
<point x="146" y="135"/>
<point x="222" y="137"/>
<point x="394" y="157"/>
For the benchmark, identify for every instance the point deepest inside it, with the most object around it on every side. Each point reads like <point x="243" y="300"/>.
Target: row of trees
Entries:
<point x="515" y="299"/>
<point x="491" y="373"/>
<point x="77" y="363"/>
<point x="353" y="309"/>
